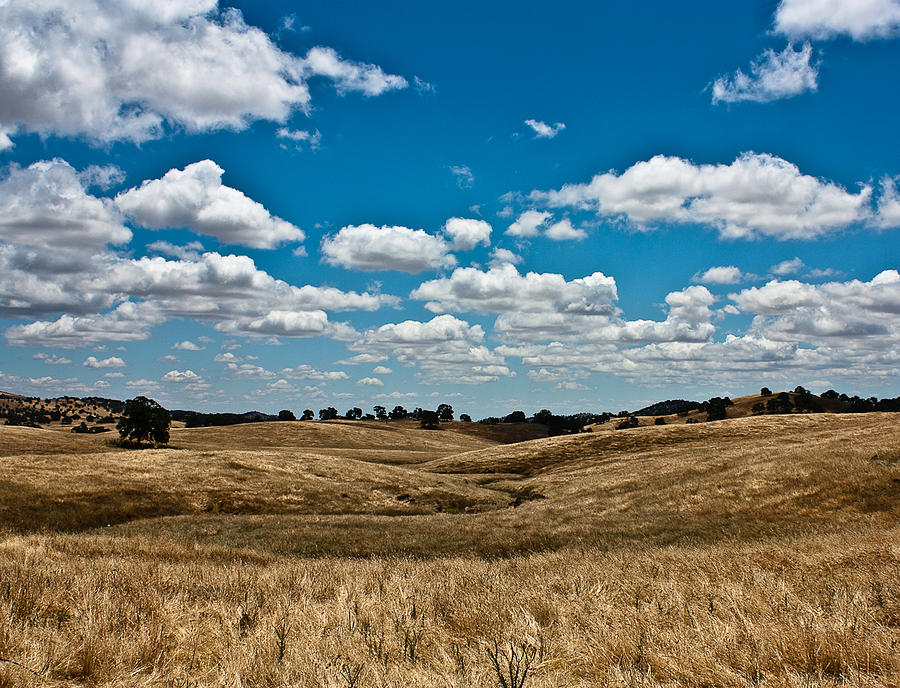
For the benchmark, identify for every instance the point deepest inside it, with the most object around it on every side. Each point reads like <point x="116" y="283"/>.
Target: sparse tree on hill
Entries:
<point x="398" y="413"/>
<point x="779" y="404"/>
<point x="144" y="420"/>
<point x="354" y="414"/>
<point x="380" y="412"/>
<point x="329" y="413"/>
<point x="308" y="415"/>
<point x="445" y="411"/>
<point x="284" y="414"/>
<point x="465" y="418"/>
<point x="765" y="392"/>
<point x="515" y="417"/>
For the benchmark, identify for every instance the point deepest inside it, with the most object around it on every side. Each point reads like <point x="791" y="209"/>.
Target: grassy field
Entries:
<point x="757" y="551"/>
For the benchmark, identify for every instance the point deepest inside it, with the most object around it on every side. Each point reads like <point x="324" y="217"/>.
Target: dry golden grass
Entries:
<point x="810" y="611"/>
<point x="750" y="552"/>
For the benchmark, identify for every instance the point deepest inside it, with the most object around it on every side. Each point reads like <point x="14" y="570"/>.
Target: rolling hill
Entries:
<point x="758" y="550"/>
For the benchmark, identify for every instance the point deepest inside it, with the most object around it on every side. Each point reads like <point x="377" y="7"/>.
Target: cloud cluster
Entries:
<point x="129" y="321"/>
<point x="503" y="289"/>
<point x="125" y="71"/>
<point x="54" y="257"/>
<point x="842" y="329"/>
<point x="772" y="76"/>
<point x="802" y="312"/>
<point x="756" y="195"/>
<point x="445" y="349"/>
<point x="687" y="320"/>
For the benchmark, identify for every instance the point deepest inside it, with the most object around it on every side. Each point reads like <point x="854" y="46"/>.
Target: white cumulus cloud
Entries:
<point x="787" y="267"/>
<point x="180" y="376"/>
<point x="45" y="204"/>
<point x="888" y="213"/>
<point x="187" y="345"/>
<point x="528" y="223"/>
<point x="367" y="247"/>
<point x="862" y="20"/>
<point x="721" y="274"/>
<point x="465" y="234"/>
<point x="195" y="198"/>
<point x="503" y="289"/>
<point x="564" y="231"/>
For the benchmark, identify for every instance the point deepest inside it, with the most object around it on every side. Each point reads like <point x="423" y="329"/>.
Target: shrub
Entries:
<point x="660" y="421"/>
<point x="629" y="422"/>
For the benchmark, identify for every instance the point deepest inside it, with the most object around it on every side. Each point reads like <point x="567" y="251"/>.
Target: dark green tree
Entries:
<point x="428" y="419"/>
<point x="329" y="413"/>
<point x="380" y="412"/>
<point x="308" y="415"/>
<point x="144" y="420"/>
<point x="285" y="414"/>
<point x="398" y="413"/>
<point x="445" y="411"/>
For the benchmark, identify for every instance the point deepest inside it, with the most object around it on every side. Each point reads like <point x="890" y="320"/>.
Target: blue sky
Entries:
<point x="522" y="205"/>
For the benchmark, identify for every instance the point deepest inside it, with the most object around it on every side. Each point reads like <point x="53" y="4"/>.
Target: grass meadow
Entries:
<point x="759" y="551"/>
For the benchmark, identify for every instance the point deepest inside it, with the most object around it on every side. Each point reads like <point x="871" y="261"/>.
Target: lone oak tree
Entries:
<point x="144" y="420"/>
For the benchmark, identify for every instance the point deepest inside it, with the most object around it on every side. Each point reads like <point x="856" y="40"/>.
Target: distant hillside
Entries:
<point x="195" y="419"/>
<point x="666" y="408"/>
